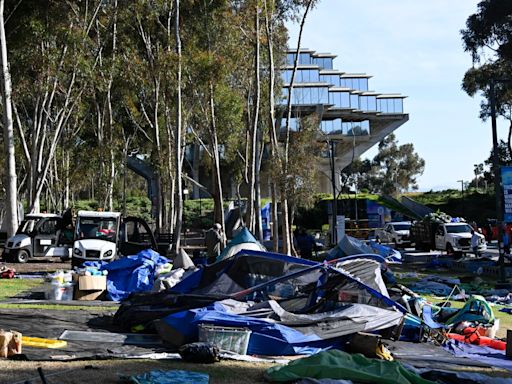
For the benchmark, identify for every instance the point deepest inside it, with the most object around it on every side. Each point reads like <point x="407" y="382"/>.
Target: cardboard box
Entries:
<point x="89" y="295"/>
<point x="90" y="287"/>
<point x="92" y="283"/>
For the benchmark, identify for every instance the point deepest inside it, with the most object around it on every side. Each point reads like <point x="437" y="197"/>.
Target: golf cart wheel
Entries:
<point x="22" y="256"/>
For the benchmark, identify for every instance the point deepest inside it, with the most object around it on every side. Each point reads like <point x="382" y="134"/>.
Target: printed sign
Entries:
<point x="506" y="181"/>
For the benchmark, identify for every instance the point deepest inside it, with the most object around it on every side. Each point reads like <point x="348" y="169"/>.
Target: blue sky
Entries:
<point x="413" y="48"/>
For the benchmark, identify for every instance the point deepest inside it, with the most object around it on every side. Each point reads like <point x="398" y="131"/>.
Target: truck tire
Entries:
<point x="377" y="239"/>
<point x="449" y="249"/>
<point x="22" y="256"/>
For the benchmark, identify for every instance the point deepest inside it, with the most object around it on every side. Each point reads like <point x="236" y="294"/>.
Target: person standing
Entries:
<point x="214" y="239"/>
<point x="475" y="239"/>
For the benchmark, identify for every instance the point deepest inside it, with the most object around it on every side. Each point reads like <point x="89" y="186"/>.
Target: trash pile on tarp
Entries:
<point x="348" y="246"/>
<point x="132" y="273"/>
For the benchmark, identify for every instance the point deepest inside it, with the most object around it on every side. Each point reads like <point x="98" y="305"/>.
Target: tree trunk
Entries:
<point x="178" y="143"/>
<point x="12" y="204"/>
<point x="284" y="197"/>
<point x="251" y="208"/>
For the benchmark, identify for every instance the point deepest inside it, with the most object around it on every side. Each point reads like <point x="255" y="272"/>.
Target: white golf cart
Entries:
<point x="39" y="235"/>
<point x="104" y="236"/>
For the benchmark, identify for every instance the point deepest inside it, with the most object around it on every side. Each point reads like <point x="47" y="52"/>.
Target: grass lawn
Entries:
<point x="12" y="287"/>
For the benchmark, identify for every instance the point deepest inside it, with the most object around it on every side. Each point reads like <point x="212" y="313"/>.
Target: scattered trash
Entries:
<point x="38" y="342"/>
<point x="170" y="377"/>
<point x="200" y="352"/>
<point x="10" y="343"/>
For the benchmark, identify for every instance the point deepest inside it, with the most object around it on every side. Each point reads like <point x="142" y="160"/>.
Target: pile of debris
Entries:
<point x="346" y="313"/>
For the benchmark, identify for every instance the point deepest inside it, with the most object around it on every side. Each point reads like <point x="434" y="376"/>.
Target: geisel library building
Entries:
<point x="351" y="115"/>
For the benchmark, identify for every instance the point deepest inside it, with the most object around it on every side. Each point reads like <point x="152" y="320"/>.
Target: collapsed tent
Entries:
<point x="275" y="331"/>
<point x="244" y="240"/>
<point x="349" y="245"/>
<point x="316" y="303"/>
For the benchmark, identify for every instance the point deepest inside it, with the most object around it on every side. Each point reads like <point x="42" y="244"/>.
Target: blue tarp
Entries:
<point x="488" y="355"/>
<point x="349" y="245"/>
<point x="170" y="377"/>
<point x="132" y="274"/>
<point x="267" y="338"/>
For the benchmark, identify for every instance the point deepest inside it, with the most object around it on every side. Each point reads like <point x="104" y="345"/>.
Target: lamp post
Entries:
<point x="462" y="195"/>
<point x="334" y="197"/>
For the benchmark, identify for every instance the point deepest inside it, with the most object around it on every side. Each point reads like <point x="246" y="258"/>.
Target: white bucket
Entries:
<point x="491" y="332"/>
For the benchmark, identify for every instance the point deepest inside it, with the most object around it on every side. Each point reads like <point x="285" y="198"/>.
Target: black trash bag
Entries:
<point x="200" y="352"/>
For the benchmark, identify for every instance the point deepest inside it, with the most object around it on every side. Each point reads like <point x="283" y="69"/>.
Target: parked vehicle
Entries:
<point x="396" y="232"/>
<point x="39" y="235"/>
<point x="450" y="237"/>
<point x="105" y="236"/>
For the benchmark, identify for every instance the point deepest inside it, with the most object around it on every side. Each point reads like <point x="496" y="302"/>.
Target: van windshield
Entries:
<point x="100" y="228"/>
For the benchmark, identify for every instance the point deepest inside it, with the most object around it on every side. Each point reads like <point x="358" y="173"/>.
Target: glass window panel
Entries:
<point x="363" y="84"/>
<point x="344" y="100"/>
<point x="354" y="101"/>
<point x="399" y="105"/>
<point x="304" y="76"/>
<point x="315" y="75"/>
<point x="363" y="100"/>
<point x="290" y="58"/>
<point x="324" y="95"/>
<point x="372" y="103"/>
<point x="305" y="59"/>
<point x="315" y="99"/>
<point x="391" y="106"/>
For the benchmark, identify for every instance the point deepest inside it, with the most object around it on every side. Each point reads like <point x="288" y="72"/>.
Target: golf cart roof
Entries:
<point x="32" y="216"/>
<point x="114" y="215"/>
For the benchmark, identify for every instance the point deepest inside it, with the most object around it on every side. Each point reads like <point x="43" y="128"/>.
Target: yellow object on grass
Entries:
<point x="39" y="342"/>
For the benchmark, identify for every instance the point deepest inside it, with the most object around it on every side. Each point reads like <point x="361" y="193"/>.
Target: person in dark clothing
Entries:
<point x="215" y="241"/>
<point x="305" y="242"/>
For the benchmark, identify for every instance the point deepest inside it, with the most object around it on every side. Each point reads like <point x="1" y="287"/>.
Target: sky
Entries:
<point x="414" y="48"/>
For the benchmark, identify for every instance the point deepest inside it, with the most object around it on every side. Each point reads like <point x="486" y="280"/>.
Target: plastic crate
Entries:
<point x="226" y="338"/>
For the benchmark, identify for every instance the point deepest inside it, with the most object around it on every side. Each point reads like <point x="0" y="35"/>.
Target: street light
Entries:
<point x="462" y="194"/>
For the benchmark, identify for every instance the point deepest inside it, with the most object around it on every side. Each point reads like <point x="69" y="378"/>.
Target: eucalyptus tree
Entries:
<point x="11" y="218"/>
<point x="215" y="60"/>
<point x="49" y="42"/>
<point x="488" y="38"/>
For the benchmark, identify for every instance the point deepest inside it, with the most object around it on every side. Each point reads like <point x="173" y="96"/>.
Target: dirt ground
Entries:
<point x="111" y="371"/>
<point x="49" y="264"/>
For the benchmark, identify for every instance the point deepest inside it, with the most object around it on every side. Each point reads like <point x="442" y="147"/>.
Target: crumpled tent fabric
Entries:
<point x="170" y="377"/>
<point x="244" y="240"/>
<point x="132" y="274"/>
<point x="482" y="354"/>
<point x="278" y="332"/>
<point x="349" y="246"/>
<point x="369" y="271"/>
<point x="335" y="364"/>
<point x="476" y="309"/>
<point x="183" y="260"/>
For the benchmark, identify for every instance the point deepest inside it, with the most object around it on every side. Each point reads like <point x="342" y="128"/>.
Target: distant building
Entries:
<point x="351" y="115"/>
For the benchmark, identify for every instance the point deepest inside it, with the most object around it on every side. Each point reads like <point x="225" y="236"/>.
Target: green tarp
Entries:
<point x="335" y="364"/>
